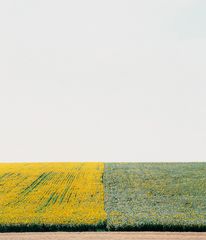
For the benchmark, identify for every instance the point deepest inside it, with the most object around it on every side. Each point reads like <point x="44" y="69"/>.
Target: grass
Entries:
<point x="32" y="227"/>
<point x="155" y="196"/>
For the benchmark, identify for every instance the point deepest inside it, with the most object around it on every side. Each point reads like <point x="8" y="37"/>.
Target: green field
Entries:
<point x="155" y="196"/>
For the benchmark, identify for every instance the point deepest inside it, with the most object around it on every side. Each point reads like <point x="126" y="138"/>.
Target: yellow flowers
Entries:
<point x="52" y="193"/>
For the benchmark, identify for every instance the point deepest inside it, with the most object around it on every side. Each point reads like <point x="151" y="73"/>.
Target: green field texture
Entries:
<point x="155" y="196"/>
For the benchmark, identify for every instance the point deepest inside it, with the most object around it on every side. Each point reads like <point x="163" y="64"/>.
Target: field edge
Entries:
<point x="101" y="226"/>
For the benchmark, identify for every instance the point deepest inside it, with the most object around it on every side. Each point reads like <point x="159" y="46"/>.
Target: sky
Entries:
<point x="112" y="80"/>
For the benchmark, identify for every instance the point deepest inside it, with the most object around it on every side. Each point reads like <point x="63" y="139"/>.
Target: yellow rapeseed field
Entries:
<point x="51" y="193"/>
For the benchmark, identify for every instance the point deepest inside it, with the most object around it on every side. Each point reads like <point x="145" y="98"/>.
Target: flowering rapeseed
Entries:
<point x="51" y="193"/>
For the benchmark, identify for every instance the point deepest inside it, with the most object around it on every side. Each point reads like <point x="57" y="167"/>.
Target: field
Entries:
<point x="102" y="197"/>
<point x="155" y="196"/>
<point x="51" y="195"/>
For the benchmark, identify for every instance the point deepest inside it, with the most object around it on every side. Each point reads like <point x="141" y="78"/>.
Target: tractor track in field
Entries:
<point x="105" y="236"/>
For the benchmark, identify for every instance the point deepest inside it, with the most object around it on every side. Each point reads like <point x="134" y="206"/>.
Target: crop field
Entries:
<point x="102" y="196"/>
<point x="155" y="196"/>
<point x="68" y="195"/>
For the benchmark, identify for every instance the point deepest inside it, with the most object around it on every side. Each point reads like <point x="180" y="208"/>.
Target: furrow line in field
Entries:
<point x="67" y="188"/>
<point x="40" y="180"/>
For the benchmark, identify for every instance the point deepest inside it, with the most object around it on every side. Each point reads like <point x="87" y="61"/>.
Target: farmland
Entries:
<point x="102" y="196"/>
<point x="155" y="196"/>
<point x="56" y="195"/>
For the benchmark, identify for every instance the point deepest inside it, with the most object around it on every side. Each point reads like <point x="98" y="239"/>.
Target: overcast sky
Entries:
<point x="112" y="80"/>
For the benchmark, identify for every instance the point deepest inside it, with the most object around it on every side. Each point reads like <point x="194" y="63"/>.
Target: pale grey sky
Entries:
<point x="112" y="80"/>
